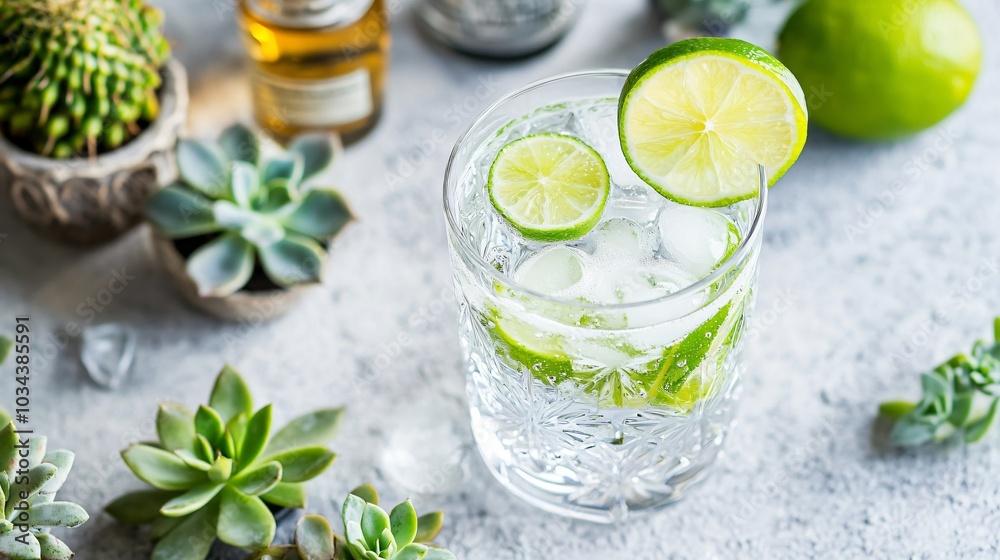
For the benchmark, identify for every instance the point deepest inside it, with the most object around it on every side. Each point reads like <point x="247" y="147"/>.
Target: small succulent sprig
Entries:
<point x="6" y="345"/>
<point x="962" y="394"/>
<point x="215" y="470"/>
<point x="371" y="534"/>
<point x="46" y="474"/>
<point x="256" y="209"/>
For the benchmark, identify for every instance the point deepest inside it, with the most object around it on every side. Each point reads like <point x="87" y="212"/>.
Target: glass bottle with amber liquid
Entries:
<point x="316" y="65"/>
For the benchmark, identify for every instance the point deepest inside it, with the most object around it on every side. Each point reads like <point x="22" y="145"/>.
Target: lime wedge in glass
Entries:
<point x="549" y="187"/>
<point x="697" y="117"/>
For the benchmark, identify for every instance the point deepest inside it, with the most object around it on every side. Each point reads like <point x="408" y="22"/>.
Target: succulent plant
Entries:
<point x="256" y="211"/>
<point x="371" y="534"/>
<point x="215" y="470"/>
<point x="29" y="485"/>
<point x="376" y="535"/>
<point x="5" y="346"/>
<point x="78" y="75"/>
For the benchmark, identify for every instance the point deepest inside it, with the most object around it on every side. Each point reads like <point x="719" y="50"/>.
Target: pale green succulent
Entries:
<point x="78" y="75"/>
<point x="251" y="211"/>
<point x="372" y="534"/>
<point x="215" y="471"/>
<point x="24" y="529"/>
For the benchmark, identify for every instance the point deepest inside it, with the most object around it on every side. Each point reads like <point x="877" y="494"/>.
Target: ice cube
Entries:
<point x="622" y="239"/>
<point x="107" y="352"/>
<point x="644" y="283"/>
<point x="552" y="270"/>
<point x="697" y="238"/>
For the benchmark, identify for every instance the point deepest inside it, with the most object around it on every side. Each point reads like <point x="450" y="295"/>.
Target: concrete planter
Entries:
<point x="243" y="306"/>
<point x="87" y="201"/>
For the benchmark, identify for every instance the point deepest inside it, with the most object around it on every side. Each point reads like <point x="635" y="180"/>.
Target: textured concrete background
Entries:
<point x="859" y="289"/>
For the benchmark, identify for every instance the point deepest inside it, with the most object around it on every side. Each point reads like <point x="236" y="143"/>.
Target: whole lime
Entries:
<point x="879" y="69"/>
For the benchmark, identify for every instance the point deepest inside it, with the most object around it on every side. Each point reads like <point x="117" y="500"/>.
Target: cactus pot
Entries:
<point x="85" y="201"/>
<point x="259" y="301"/>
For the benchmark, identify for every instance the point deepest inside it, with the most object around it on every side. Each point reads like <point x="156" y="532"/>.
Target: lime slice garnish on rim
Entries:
<point x="697" y="117"/>
<point x="549" y="187"/>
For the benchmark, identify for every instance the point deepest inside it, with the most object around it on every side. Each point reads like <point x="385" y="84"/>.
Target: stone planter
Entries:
<point x="243" y="306"/>
<point x="87" y="201"/>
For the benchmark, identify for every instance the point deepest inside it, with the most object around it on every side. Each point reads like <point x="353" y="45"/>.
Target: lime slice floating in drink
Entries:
<point x="549" y="187"/>
<point x="697" y="117"/>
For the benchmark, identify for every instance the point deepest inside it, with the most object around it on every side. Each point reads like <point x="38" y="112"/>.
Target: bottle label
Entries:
<point x="326" y="102"/>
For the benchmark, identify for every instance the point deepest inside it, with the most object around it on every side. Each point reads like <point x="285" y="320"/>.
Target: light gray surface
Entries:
<point x="872" y="291"/>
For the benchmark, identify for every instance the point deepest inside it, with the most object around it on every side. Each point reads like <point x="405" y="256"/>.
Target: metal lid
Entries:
<point x="310" y="13"/>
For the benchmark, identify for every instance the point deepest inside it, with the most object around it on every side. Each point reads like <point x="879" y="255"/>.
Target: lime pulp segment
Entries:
<point x="696" y="118"/>
<point x="549" y="187"/>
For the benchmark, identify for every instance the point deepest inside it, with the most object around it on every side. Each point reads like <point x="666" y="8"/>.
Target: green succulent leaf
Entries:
<point x="240" y="144"/>
<point x="403" y="522"/>
<point x="280" y="192"/>
<point x="203" y="167"/>
<point x="320" y="215"/>
<point x="316" y="149"/>
<point x="355" y="537"/>
<point x="208" y="423"/>
<point x="163" y="525"/>
<point x="293" y="260"/>
<point x="895" y="409"/>
<point x="286" y="494"/>
<point x="232" y="216"/>
<point x="63" y="461"/>
<point x="221" y="470"/>
<point x="140" y="507"/>
<point x="8" y="447"/>
<point x="314" y="538"/>
<point x="51" y="548"/>
<point x="255" y="440"/>
<point x="36" y="449"/>
<point x="175" y="427"/>
<point x="289" y="169"/>
<point x="367" y="493"/>
<point x="193" y="460"/>
<point x="161" y="469"/>
<point x="190" y="538"/>
<point x="37" y="477"/>
<point x="428" y="526"/>
<point x="192" y="500"/>
<point x="435" y="553"/>
<point x="203" y="449"/>
<point x="411" y="552"/>
<point x="313" y="428"/>
<point x="244" y="521"/>
<point x="25" y="549"/>
<point x="5" y="345"/>
<point x="237" y="427"/>
<point x="230" y="395"/>
<point x="353" y="510"/>
<point x="58" y="514"/>
<point x="978" y="428"/>
<point x="258" y="480"/>
<point x="244" y="184"/>
<point x="374" y="520"/>
<point x="386" y="543"/>
<point x="227" y="446"/>
<point x="910" y="431"/>
<point x="304" y="463"/>
<point x="179" y="212"/>
<point x="222" y="266"/>
<point x="961" y="411"/>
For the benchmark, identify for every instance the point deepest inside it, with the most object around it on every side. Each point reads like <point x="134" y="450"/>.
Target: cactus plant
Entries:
<point x="78" y="75"/>
<point x="215" y="470"/>
<point x="372" y="534"/>
<point x="253" y="210"/>
<point x="29" y="485"/>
